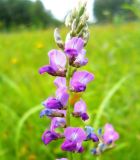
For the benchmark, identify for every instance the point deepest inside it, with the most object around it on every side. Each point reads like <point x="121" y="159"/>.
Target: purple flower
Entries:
<point x="45" y="112"/>
<point x="73" y="139"/>
<point x="60" y="82"/>
<point x="90" y="134"/>
<point x="57" y="122"/>
<point x="89" y="129"/>
<point x="74" y="46"/>
<point x="110" y="135"/>
<point x="80" y="110"/>
<point x="57" y="64"/>
<point x="62" y="159"/>
<point x="49" y="136"/>
<point x="79" y="80"/>
<point x="52" y="113"/>
<point x="76" y="53"/>
<point x="58" y="102"/>
<point x="80" y="60"/>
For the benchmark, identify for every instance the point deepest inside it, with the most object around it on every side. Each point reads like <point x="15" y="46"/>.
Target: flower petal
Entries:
<point x="74" y="46"/>
<point x="80" y="79"/>
<point x="57" y="59"/>
<point x="60" y="82"/>
<point x="46" y="112"/>
<point x="68" y="146"/>
<point x="80" y="106"/>
<point x="57" y="122"/>
<point x="84" y="116"/>
<point x="89" y="130"/>
<point x="52" y="103"/>
<point x="109" y="128"/>
<point x="75" y="134"/>
<point x="49" y="136"/>
<point x="62" y="96"/>
<point x="110" y="135"/>
<point x="47" y="69"/>
<point x="80" y="59"/>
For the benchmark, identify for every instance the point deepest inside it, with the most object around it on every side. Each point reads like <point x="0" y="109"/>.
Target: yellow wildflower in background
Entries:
<point x="14" y="60"/>
<point x="39" y="45"/>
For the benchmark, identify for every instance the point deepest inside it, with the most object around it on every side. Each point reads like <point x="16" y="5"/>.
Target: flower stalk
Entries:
<point x="68" y="89"/>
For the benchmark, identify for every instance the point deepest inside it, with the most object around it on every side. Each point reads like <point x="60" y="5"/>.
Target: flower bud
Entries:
<point x="82" y="8"/>
<point x="68" y="20"/>
<point x="86" y="38"/>
<point x="73" y="26"/>
<point x="74" y="13"/>
<point x="58" y="39"/>
<point x="68" y="37"/>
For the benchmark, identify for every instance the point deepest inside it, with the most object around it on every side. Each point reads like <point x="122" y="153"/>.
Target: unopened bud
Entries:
<point x="86" y="38"/>
<point x="84" y="18"/>
<point x="74" y="13"/>
<point x="58" y="39"/>
<point x="73" y="26"/>
<point x="68" y="37"/>
<point x="68" y="20"/>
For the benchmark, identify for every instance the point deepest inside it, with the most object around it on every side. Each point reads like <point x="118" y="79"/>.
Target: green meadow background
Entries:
<point x="114" y="58"/>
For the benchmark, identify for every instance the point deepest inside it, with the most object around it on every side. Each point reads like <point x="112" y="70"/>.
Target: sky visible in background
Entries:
<point x="60" y="8"/>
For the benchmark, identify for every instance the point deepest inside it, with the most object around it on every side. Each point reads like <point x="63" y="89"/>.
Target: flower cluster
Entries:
<point x="69" y="82"/>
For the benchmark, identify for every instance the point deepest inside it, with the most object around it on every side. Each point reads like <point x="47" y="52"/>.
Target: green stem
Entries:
<point x="70" y="156"/>
<point x="98" y="158"/>
<point x="68" y="106"/>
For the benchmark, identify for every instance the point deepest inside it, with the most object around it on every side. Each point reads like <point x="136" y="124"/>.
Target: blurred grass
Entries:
<point x="113" y="53"/>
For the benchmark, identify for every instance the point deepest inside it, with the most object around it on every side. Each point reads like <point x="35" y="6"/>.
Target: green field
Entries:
<point x="113" y="53"/>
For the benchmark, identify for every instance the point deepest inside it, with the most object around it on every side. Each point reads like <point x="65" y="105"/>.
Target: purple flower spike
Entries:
<point x="60" y="82"/>
<point x="57" y="122"/>
<point x="49" y="136"/>
<point x="74" y="46"/>
<point x="80" y="60"/>
<point x="74" y="138"/>
<point x="57" y="64"/>
<point x="57" y="102"/>
<point x="110" y="135"/>
<point x="79" y="80"/>
<point x="80" y="110"/>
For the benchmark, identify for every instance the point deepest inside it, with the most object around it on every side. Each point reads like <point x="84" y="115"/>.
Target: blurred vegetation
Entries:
<point x="108" y="10"/>
<point x="113" y="52"/>
<point x="135" y="7"/>
<point x="24" y="13"/>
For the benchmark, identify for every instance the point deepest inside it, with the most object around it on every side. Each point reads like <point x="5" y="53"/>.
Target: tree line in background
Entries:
<point x="27" y="13"/>
<point x="111" y="10"/>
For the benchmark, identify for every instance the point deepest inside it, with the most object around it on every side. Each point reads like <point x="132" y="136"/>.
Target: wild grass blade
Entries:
<point x="105" y="101"/>
<point x="9" y="110"/>
<point x="120" y="147"/>
<point x="10" y="83"/>
<point x="22" y="122"/>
